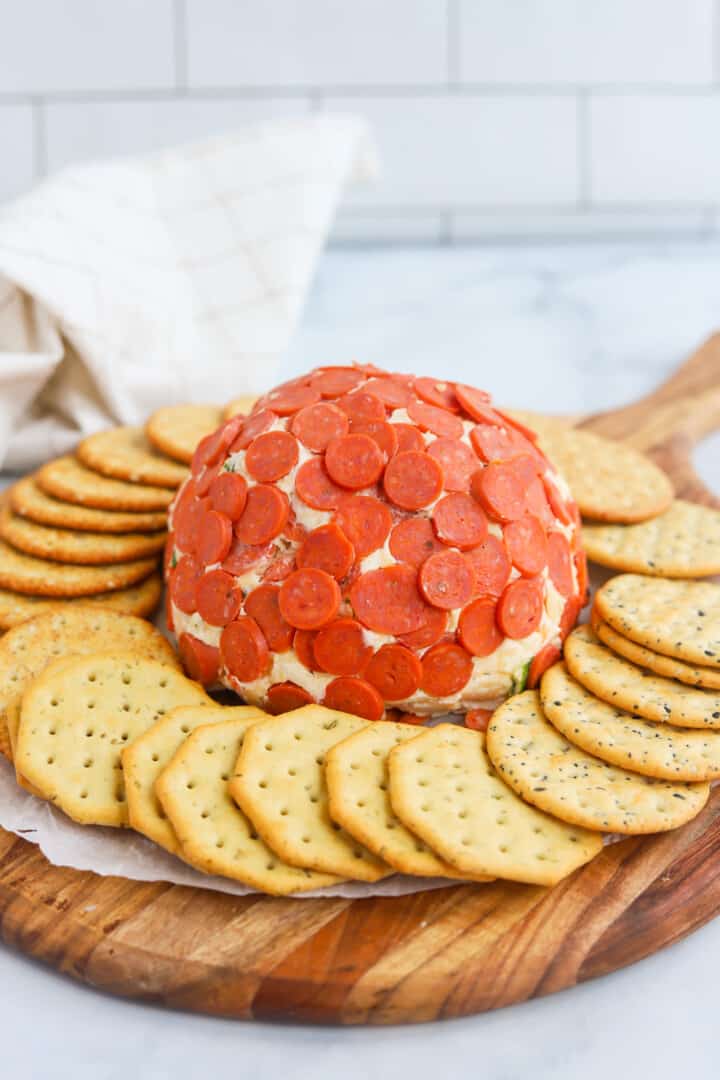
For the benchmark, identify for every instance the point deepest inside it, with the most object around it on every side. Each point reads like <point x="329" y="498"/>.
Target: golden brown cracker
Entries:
<point x="689" y="674"/>
<point x="124" y="453"/>
<point x="176" y="430"/>
<point x="66" y="478"/>
<point x="70" y="546"/>
<point x="682" y="542"/>
<point x="141" y="600"/>
<point x="42" y="577"/>
<point x="29" y="501"/>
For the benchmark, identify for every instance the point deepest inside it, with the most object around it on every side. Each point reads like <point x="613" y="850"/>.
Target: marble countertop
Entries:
<point x="572" y="328"/>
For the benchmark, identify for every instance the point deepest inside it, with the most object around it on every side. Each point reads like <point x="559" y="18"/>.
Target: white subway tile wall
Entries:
<point x="495" y="120"/>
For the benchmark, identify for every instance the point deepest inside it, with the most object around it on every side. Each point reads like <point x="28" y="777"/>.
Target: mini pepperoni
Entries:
<point x="214" y="537"/>
<point x="409" y="438"/>
<point x="446" y="580"/>
<point x="413" y="541"/>
<point x="573" y="607"/>
<point x="390" y="391"/>
<point x="327" y="548"/>
<point x="354" y="461"/>
<point x="334" y="381"/>
<point x="280" y="568"/>
<point x="361" y="407"/>
<point x="265" y="514"/>
<point x="182" y="516"/>
<point x="244" y="650"/>
<point x="263" y="605"/>
<point x="500" y="488"/>
<point x="293" y="529"/>
<point x="304" y="646"/>
<point x="401" y="717"/>
<point x="438" y="421"/>
<point x="183" y="584"/>
<point x="446" y="668"/>
<point x="387" y="600"/>
<point x="557" y="502"/>
<point x="432" y="630"/>
<point x="290" y="399"/>
<point x="513" y="422"/>
<point x="271" y="456"/>
<point x="499" y="444"/>
<point x="204" y="482"/>
<point x="255" y="424"/>
<point x="478" y="719"/>
<point x="218" y="600"/>
<point x="459" y="521"/>
<point x="520" y="607"/>
<point x="242" y="557"/>
<point x="169" y="616"/>
<point x="456" y="460"/>
<point x="560" y="563"/>
<point x="394" y="671"/>
<point x="200" y="660"/>
<point x="477" y="629"/>
<point x="213" y="446"/>
<point x="352" y="695"/>
<point x="526" y="543"/>
<point x="365" y="521"/>
<point x="309" y="599"/>
<point x="412" y="480"/>
<point x="537" y="503"/>
<point x="548" y="655"/>
<point x="476" y="403"/>
<point x="317" y="425"/>
<point x="491" y="565"/>
<point x="436" y="392"/>
<point x="285" y="696"/>
<point x="168" y="555"/>
<point x="381" y="432"/>
<point x="340" y="648"/>
<point x="228" y="494"/>
<point x="315" y="488"/>
<point x="581" y="570"/>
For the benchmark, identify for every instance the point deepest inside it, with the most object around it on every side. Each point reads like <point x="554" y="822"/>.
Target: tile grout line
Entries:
<point x="39" y="123"/>
<point x="180" y="44"/>
<point x="584" y="137"/>
<point x="452" y="29"/>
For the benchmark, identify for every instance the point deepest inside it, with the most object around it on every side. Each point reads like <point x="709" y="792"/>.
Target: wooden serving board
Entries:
<point x="446" y="953"/>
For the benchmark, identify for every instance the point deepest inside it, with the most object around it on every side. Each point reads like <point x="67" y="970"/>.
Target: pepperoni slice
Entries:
<point x="477" y="629"/>
<point x="580" y="560"/>
<point x="169" y="616"/>
<point x="317" y="425"/>
<point x="228" y="494"/>
<point x="242" y="557"/>
<point x="214" y="537"/>
<point x="557" y="503"/>
<point x="265" y="514"/>
<point x="409" y="438"/>
<point x="438" y="421"/>
<point x="340" y="648"/>
<point x="382" y="433"/>
<point x="200" y="660"/>
<point x="263" y="605"/>
<point x="431" y="631"/>
<point x="387" y="600"/>
<point x="527" y="545"/>
<point x="183" y="584"/>
<point x="559" y="559"/>
<point x="478" y="719"/>
<point x="333" y="381"/>
<point x="500" y="488"/>
<point x="446" y="580"/>
<point x="475" y="402"/>
<point x="499" y="444"/>
<point x="459" y="521"/>
<point x="394" y="671"/>
<point x="456" y="460"/>
<point x="280" y="568"/>
<point x="304" y="646"/>
<point x="365" y="521"/>
<point x="327" y="548"/>
<point x="436" y="392"/>
<point x="412" y="480"/>
<point x="204" y="482"/>
<point x="491" y="565"/>
<point x="413" y="541"/>
<point x="309" y="599"/>
<point x="285" y="696"/>
<point x="537" y="503"/>
<point x="392" y="392"/>
<point x="362" y="407"/>
<point x="354" y="461"/>
<point x="168" y="555"/>
<point x="446" y="668"/>
<point x="513" y="422"/>
<point x="352" y="695"/>
<point x="291" y="398"/>
<point x="569" y="617"/>
<point x="271" y="456"/>
<point x="212" y="448"/>
<point x="520" y="607"/>
<point x="256" y="424"/>
<point x="244" y="650"/>
<point x="218" y="601"/>
<point x="548" y="655"/>
<point x="315" y="488"/>
<point x="183" y="517"/>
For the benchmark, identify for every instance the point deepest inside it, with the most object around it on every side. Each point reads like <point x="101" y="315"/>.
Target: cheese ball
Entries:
<point x="371" y="541"/>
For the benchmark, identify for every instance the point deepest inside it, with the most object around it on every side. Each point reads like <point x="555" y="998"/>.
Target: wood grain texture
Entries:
<point x="446" y="953"/>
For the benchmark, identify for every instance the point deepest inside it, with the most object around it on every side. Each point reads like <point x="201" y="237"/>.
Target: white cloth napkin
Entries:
<point x="177" y="276"/>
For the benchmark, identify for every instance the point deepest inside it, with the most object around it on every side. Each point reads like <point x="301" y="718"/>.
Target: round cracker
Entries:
<point x="545" y="769"/>
<point x="30" y="501"/>
<point x="682" y="542"/>
<point x="239" y="406"/>
<point x="635" y="689"/>
<point x="141" y="600"/>
<point x="675" y="618"/>
<point x="41" y="577"/>
<point x="82" y="548"/>
<point x="124" y="453"/>
<point x="620" y="738"/>
<point x="688" y="674"/>
<point x="65" y="478"/>
<point x="177" y="429"/>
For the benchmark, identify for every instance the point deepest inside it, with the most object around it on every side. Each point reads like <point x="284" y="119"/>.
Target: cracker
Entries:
<point x="682" y="542"/>
<point x="124" y="453"/>
<point x="68" y="546"/>
<point x="239" y="406"/>
<point x="138" y="600"/>
<point x="614" y="735"/>
<point x="357" y="779"/>
<point x="279" y="783"/>
<point x="444" y="788"/>
<point x="216" y="836"/>
<point x="635" y="689"/>
<point x="547" y="770"/>
<point x="676" y="618"/>
<point x="29" y="501"/>
<point x="77" y="716"/>
<point x="41" y="577"/>
<point x="5" y="745"/>
<point x="177" y="429"/>
<point x="148" y="755"/>
<point x="688" y="674"/>
<point x="66" y="478"/>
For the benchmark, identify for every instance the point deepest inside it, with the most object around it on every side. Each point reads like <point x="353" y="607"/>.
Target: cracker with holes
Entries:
<point x="635" y="689"/>
<point x="176" y="430"/>
<point x="547" y="770"/>
<point x="215" y="835"/>
<point x="621" y="738"/>
<point x="71" y="546"/>
<point x="145" y="758"/>
<point x="279" y="783"/>
<point x="444" y="788"/>
<point x="77" y="716"/>
<point x="140" y="600"/>
<point x="124" y="453"/>
<point x="66" y="478"/>
<point x="667" y="666"/>
<point x="680" y="619"/>
<point x="29" y="501"/>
